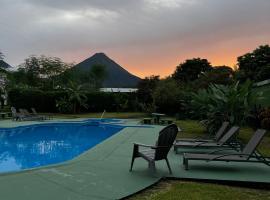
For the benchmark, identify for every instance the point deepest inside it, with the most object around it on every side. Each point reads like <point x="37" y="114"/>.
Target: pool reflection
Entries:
<point x="23" y="148"/>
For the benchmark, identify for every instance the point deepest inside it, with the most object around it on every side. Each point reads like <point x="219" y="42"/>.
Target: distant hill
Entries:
<point x="4" y="65"/>
<point x="117" y="76"/>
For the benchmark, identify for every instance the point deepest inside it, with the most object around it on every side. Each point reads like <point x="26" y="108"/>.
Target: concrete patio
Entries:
<point x="103" y="171"/>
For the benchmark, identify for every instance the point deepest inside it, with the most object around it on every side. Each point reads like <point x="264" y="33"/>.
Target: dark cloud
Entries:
<point x="64" y="28"/>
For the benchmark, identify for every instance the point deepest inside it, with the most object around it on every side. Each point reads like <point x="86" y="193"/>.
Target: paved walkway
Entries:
<point x="102" y="172"/>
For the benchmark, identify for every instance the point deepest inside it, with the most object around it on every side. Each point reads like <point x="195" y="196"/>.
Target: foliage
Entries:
<point x="221" y="75"/>
<point x="43" y="101"/>
<point x="191" y="69"/>
<point x="148" y="108"/>
<point x="263" y="91"/>
<point x="264" y="117"/>
<point x="97" y="75"/>
<point x="253" y="119"/>
<point x="264" y="73"/>
<point x="221" y="103"/>
<point x="76" y="96"/>
<point x="46" y="101"/>
<point x="64" y="105"/>
<point x="166" y="96"/>
<point x="146" y="88"/>
<point x="255" y="65"/>
<point x="1" y="56"/>
<point x="39" y="71"/>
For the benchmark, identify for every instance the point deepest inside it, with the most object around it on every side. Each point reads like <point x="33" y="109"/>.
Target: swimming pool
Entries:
<point x="40" y="145"/>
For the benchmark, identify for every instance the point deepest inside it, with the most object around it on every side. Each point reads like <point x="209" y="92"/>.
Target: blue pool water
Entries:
<point x="41" y="145"/>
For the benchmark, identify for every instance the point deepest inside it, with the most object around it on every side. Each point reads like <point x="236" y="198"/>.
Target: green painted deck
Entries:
<point x="103" y="172"/>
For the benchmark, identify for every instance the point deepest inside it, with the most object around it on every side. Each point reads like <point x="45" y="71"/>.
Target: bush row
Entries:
<point x="45" y="101"/>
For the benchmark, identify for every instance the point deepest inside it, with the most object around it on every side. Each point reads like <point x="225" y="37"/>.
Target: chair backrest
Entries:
<point x="221" y="130"/>
<point x="25" y="111"/>
<point x="228" y="135"/>
<point x="165" y="141"/>
<point x="13" y="111"/>
<point x="254" y="142"/>
<point x="22" y="111"/>
<point x="34" y="111"/>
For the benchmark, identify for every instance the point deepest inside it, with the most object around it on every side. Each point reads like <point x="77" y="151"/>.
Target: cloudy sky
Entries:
<point x="144" y="36"/>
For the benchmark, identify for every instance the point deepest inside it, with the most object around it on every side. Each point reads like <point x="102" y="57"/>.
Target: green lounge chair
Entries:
<point x="224" y="141"/>
<point x="216" y="137"/>
<point x="29" y="116"/>
<point x="34" y="113"/>
<point x="249" y="153"/>
<point x="15" y="115"/>
<point x="159" y="151"/>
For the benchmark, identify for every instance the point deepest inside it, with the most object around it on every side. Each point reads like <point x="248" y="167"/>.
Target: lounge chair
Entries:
<point x="29" y="116"/>
<point x="34" y="113"/>
<point x="159" y="151"/>
<point x="15" y="115"/>
<point x="224" y="141"/>
<point x="216" y="137"/>
<point x="248" y="154"/>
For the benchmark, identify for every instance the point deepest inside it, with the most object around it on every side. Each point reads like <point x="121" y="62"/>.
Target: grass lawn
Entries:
<point x="174" y="190"/>
<point x="193" y="190"/>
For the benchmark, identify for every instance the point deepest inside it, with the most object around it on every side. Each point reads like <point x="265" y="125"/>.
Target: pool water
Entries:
<point x="41" y="145"/>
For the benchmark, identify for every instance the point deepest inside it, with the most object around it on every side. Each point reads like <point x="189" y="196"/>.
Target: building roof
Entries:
<point x="122" y="90"/>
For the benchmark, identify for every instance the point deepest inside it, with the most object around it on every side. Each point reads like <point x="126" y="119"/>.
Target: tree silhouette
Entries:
<point x="255" y="65"/>
<point x="191" y="69"/>
<point x="1" y="56"/>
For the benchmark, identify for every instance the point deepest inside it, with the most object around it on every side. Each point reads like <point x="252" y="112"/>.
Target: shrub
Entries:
<point x="64" y="105"/>
<point x="52" y="101"/>
<point x="265" y="118"/>
<point x="29" y="97"/>
<point x="167" y="96"/>
<point x="223" y="103"/>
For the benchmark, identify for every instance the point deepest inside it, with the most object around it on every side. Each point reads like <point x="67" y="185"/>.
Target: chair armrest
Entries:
<point x="144" y="145"/>
<point x="199" y="144"/>
<point x="149" y="146"/>
<point x="220" y="150"/>
<point x="233" y="154"/>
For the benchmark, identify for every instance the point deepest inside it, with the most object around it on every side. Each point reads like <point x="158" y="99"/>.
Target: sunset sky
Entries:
<point x="147" y="37"/>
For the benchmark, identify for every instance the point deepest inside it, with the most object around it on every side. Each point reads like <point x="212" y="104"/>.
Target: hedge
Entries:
<point x="45" y="101"/>
<point x="28" y="98"/>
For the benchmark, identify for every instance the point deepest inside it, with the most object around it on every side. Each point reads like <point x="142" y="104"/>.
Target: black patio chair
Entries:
<point x="249" y="153"/>
<point x="159" y="151"/>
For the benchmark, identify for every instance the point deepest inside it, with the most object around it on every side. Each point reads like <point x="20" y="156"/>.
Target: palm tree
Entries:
<point x="77" y="96"/>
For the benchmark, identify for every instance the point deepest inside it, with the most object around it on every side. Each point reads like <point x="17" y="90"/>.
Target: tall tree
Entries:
<point x="253" y="65"/>
<point x="76" y="96"/>
<point x="41" y="71"/>
<point x="191" y="69"/>
<point x="221" y="75"/>
<point x="1" y="56"/>
<point x="146" y="88"/>
<point x="97" y="75"/>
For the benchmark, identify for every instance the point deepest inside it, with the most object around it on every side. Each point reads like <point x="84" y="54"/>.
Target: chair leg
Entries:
<point x="175" y="149"/>
<point x="168" y="164"/>
<point x="132" y="161"/>
<point x="152" y="166"/>
<point x="134" y="155"/>
<point x="185" y="163"/>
